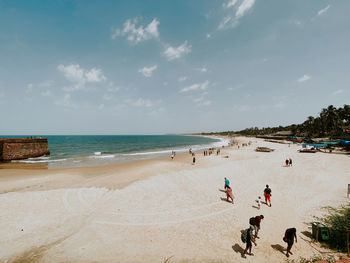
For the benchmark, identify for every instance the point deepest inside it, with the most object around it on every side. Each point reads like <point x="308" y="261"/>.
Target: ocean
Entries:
<point x="103" y="150"/>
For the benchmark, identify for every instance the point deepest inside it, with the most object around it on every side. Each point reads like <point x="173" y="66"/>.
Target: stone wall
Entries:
<point x="23" y="148"/>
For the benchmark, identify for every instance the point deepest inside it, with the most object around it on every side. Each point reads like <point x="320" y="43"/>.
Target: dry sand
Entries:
<point x="155" y="210"/>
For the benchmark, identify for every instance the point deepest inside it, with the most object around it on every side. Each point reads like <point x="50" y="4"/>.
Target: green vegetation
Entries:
<point x="338" y="221"/>
<point x="332" y="122"/>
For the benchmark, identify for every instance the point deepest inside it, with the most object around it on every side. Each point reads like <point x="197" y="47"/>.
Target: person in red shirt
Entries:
<point x="257" y="224"/>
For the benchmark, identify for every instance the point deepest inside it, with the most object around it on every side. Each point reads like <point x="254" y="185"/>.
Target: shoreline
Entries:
<point x="123" y="174"/>
<point x="99" y="159"/>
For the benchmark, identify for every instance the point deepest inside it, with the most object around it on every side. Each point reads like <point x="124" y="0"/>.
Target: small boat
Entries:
<point x="264" y="149"/>
<point x="307" y="150"/>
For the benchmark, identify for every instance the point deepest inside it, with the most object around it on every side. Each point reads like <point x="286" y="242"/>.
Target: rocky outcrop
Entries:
<point x="22" y="148"/>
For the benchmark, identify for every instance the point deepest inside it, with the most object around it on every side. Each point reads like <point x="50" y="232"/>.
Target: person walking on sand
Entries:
<point x="287" y="162"/>
<point x="289" y="236"/>
<point x="229" y="194"/>
<point x="193" y="159"/>
<point x="227" y="183"/>
<point x="290" y="161"/>
<point x="267" y="194"/>
<point x="259" y="202"/>
<point x="257" y="222"/>
<point x="250" y="239"/>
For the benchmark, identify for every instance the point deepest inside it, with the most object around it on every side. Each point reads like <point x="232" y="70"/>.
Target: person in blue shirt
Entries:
<point x="227" y="183"/>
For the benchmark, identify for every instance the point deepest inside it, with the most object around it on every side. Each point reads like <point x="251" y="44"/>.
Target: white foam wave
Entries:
<point x="103" y="156"/>
<point x="38" y="161"/>
<point x="147" y="153"/>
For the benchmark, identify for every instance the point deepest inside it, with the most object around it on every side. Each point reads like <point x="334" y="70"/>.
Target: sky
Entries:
<point x="160" y="67"/>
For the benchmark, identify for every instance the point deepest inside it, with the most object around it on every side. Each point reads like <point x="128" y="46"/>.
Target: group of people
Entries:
<point x="210" y="151"/>
<point x="289" y="162"/>
<point x="250" y="235"/>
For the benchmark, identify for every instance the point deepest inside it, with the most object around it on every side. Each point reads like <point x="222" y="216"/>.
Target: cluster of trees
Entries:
<point x="331" y="122"/>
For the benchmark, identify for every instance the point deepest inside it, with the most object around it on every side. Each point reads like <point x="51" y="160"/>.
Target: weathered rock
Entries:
<point x="22" y="148"/>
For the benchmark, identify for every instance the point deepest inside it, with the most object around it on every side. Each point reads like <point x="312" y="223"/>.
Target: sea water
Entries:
<point x="103" y="150"/>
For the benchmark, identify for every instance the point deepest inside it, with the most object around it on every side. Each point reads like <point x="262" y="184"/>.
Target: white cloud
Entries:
<point x="181" y="79"/>
<point x="172" y="53"/>
<point x="224" y="23"/>
<point x="324" y="10"/>
<point x="79" y="76"/>
<point x="339" y="91"/>
<point x="233" y="19"/>
<point x="40" y="86"/>
<point x="304" y="78"/>
<point x="66" y="102"/>
<point x="140" y="102"/>
<point x="244" y="7"/>
<point x="136" y="34"/>
<point x="296" y="22"/>
<point x="95" y="75"/>
<point x="229" y="3"/>
<point x="196" y="86"/>
<point x="72" y="72"/>
<point x="203" y="69"/>
<point x="147" y="72"/>
<point x="208" y="36"/>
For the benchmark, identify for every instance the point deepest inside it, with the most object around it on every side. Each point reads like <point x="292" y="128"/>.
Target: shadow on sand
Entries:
<point x="238" y="249"/>
<point x="279" y="248"/>
<point x="307" y="234"/>
<point x="225" y="199"/>
<point x="221" y="190"/>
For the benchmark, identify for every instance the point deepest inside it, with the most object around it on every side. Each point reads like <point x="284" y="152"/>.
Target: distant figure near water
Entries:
<point x="194" y="159"/>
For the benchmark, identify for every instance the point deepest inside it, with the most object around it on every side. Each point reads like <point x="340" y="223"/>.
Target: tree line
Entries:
<point x="331" y="122"/>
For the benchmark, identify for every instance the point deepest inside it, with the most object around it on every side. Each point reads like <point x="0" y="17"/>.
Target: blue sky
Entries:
<point x="153" y="67"/>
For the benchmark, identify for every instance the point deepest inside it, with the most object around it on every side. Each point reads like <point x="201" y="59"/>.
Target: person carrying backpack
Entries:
<point x="249" y="240"/>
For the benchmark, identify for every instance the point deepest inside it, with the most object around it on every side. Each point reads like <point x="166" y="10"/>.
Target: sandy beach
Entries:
<point x="154" y="210"/>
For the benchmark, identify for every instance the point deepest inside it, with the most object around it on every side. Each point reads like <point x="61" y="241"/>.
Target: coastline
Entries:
<point x="101" y="156"/>
<point x="148" y="211"/>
